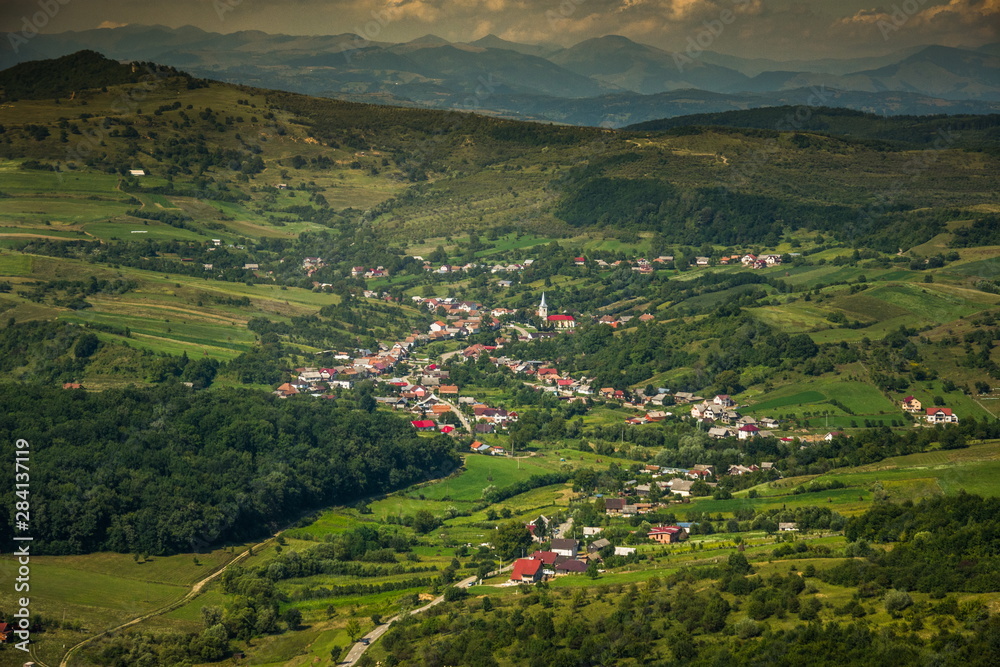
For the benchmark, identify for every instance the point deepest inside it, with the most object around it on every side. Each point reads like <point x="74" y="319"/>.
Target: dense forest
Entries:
<point x="168" y="469"/>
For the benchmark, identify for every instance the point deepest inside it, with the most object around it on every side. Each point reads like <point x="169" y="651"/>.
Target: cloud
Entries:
<point x="954" y="22"/>
<point x="111" y="24"/>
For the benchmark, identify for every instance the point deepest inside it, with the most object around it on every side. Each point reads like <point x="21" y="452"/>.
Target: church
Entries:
<point x="557" y="321"/>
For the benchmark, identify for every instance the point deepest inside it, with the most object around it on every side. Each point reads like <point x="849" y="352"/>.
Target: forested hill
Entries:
<point x="970" y="131"/>
<point x="165" y="470"/>
<point x="61" y="77"/>
<point x="418" y="173"/>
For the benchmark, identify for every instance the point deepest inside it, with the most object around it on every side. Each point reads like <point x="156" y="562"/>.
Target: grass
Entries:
<point x="857" y="397"/>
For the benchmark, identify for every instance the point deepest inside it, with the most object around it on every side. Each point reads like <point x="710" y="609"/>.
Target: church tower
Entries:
<point x="543" y="310"/>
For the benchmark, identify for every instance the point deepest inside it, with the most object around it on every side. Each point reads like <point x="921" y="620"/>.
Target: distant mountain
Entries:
<point x="943" y="72"/>
<point x="609" y="80"/>
<point x="618" y="61"/>
<point x="493" y="42"/>
<point x="839" y="66"/>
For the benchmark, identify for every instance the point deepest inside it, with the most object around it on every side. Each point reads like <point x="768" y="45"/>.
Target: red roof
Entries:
<point x="547" y="557"/>
<point x="749" y="428"/>
<point x="526" y="567"/>
<point x="564" y="383"/>
<point x="665" y="530"/>
<point x="907" y="399"/>
<point x="561" y="318"/>
<point x="423" y="423"/>
<point x="447" y="428"/>
<point x="934" y="411"/>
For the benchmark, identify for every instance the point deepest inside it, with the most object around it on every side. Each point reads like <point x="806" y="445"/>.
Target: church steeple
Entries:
<point x="543" y="310"/>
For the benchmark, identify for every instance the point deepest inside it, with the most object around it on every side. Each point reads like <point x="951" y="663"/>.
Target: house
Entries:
<point x="566" y="547"/>
<point x="597" y="545"/>
<point x="447" y="428"/>
<point x="831" y="435"/>
<point x="571" y="567"/>
<point x="448" y="389"/>
<point x="737" y="469"/>
<point x="484" y="429"/>
<point x="286" y="390"/>
<point x="579" y="261"/>
<point x="680" y="487"/>
<point x="614" y="505"/>
<point x="72" y="385"/>
<point x="701" y="261"/>
<point x="911" y="404"/>
<point x="137" y="172"/>
<point x="724" y="400"/>
<point x="719" y="432"/>
<point x="498" y="451"/>
<point x="747" y="431"/>
<point x="624" y="551"/>
<point x="424" y="424"/>
<point x="590" y="531"/>
<point x="646" y="317"/>
<point x="479" y="447"/>
<point x="527" y="571"/>
<point x="941" y="416"/>
<point x="667" y="534"/>
<point x="547" y="557"/>
<point x="788" y="527"/>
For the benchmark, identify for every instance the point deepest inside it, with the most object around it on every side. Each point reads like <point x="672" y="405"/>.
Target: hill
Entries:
<point x="976" y="132"/>
<point x="609" y="81"/>
<point x="64" y="76"/>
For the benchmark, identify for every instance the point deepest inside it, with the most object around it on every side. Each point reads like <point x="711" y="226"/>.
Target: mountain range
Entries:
<point x="610" y="80"/>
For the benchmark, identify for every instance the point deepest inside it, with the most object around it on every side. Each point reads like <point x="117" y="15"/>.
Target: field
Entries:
<point x="795" y="400"/>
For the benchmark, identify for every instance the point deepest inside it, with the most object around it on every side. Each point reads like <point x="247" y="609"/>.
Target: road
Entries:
<point x="196" y="589"/>
<point x="359" y="648"/>
<point x="520" y="330"/>
<point x="561" y="529"/>
<point x="462" y="418"/>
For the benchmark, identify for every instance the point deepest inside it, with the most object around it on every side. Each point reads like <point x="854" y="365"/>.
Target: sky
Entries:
<point x="776" y="29"/>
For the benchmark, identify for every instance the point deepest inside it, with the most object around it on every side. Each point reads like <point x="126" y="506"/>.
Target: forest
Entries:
<point x="163" y="470"/>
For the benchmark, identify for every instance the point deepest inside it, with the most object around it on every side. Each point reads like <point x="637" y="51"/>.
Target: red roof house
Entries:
<point x="527" y="570"/>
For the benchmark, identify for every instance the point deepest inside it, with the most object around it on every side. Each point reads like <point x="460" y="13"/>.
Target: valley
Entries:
<point x="349" y="355"/>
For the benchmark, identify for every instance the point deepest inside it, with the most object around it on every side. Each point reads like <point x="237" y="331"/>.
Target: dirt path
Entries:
<point x="196" y="589"/>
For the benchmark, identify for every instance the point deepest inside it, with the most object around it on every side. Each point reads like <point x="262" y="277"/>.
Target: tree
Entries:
<point x="88" y="343"/>
<point x="896" y="601"/>
<point x="376" y="619"/>
<point x="292" y="617"/>
<point x="353" y="629"/>
<point x="424" y="521"/>
<point x="592" y="569"/>
<point x="511" y="540"/>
